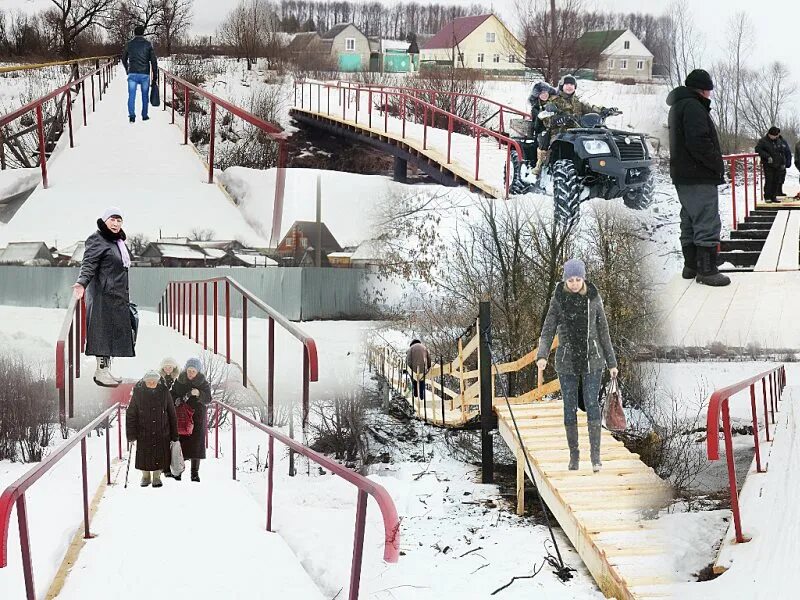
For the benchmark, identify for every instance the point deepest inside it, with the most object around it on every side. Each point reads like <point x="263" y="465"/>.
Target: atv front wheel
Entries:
<point x="566" y="193"/>
<point x="641" y="198"/>
<point x="518" y="185"/>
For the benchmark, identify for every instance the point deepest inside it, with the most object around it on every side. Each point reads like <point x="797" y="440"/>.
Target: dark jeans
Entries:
<point x="591" y="393"/>
<point x="773" y="182"/>
<point x="700" y="222"/>
<point x="418" y="388"/>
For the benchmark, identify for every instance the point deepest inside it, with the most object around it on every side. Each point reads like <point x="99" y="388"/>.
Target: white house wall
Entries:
<point x="505" y="46"/>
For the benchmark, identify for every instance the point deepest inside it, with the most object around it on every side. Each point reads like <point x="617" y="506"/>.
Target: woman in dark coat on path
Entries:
<point x="151" y="423"/>
<point x="584" y="348"/>
<point x="192" y="388"/>
<point x="104" y="277"/>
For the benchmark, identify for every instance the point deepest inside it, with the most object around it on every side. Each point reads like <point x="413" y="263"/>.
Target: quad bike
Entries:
<point x="588" y="161"/>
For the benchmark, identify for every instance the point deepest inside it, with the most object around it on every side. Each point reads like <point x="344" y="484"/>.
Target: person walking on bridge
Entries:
<point x="576" y="313"/>
<point x="104" y="280"/>
<point x="192" y="392"/>
<point x="138" y="59"/>
<point x="418" y="361"/>
<point x="151" y="423"/>
<point x="697" y="168"/>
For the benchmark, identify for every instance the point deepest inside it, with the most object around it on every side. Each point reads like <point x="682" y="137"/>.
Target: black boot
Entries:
<point x="689" y="261"/>
<point x="707" y="272"/>
<point x="594" y="445"/>
<point x="572" y="442"/>
<point x="196" y="469"/>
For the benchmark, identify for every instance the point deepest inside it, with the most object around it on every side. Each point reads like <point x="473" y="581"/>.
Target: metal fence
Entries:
<point x="302" y="294"/>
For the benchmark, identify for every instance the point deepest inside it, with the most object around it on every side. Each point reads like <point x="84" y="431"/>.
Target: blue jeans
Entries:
<point x="138" y="80"/>
<point x="591" y="394"/>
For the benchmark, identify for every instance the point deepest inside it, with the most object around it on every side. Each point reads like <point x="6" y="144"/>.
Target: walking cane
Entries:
<point x="128" y="469"/>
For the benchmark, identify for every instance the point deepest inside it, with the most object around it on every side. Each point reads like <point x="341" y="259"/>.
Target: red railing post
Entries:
<point x="190" y="309"/>
<point x="508" y="170"/>
<point x="211" y="143"/>
<point x="305" y="394"/>
<point x="205" y="315"/>
<point x="228" y="320"/>
<point x="78" y="326"/>
<point x="25" y="547"/>
<point x="475" y="113"/>
<point x="477" y="154"/>
<point x="270" y="477"/>
<point x="164" y="91"/>
<point x="69" y="118"/>
<point x="196" y="313"/>
<point x="83" y="101"/>
<point x="403" y="115"/>
<point x="766" y="410"/>
<point x="186" y="116"/>
<point x="746" y="190"/>
<point x="733" y="190"/>
<point x="119" y="431"/>
<point x="726" y="426"/>
<point x="244" y="341"/>
<point x="386" y="113"/>
<point x="772" y="397"/>
<point x="755" y="427"/>
<point x="358" y="545"/>
<point x="425" y="127"/>
<point x="93" y="98"/>
<point x="71" y="373"/>
<point x="216" y="311"/>
<point x="42" y="156"/>
<point x="233" y="449"/>
<point x="369" y="109"/>
<point x="449" y="136"/>
<point x="271" y="372"/>
<point x="216" y="430"/>
<point x="172" y="88"/>
<point x="108" y="450"/>
<point x="86" y="533"/>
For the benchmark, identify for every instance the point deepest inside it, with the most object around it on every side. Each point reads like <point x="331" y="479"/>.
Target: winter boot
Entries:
<point x="145" y="118"/>
<point x="132" y="119"/>
<point x="157" y="479"/>
<point x="572" y="442"/>
<point x="196" y="470"/>
<point x="145" y="478"/>
<point x="541" y="158"/>
<point x="101" y="375"/>
<point x="114" y="377"/>
<point x="707" y="272"/>
<point x="594" y="445"/>
<point x="689" y="261"/>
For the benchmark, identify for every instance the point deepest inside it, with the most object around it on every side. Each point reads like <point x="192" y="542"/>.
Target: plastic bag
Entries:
<point x="177" y="464"/>
<point x="613" y="414"/>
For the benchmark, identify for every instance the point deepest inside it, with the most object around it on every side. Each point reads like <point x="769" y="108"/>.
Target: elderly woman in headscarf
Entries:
<point x="104" y="279"/>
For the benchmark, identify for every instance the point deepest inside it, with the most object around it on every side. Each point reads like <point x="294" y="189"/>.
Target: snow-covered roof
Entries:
<point x="215" y="252"/>
<point x="22" y="252"/>
<point x="256" y="260"/>
<point x="369" y="250"/>
<point x="77" y="254"/>
<point x="173" y="240"/>
<point x="340" y="255"/>
<point x="180" y="251"/>
<point x="394" y="45"/>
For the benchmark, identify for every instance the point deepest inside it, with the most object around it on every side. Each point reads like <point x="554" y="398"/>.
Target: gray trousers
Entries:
<point x="591" y="395"/>
<point x="700" y="222"/>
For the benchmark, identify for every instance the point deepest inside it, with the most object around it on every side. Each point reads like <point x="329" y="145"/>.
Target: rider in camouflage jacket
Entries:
<point x="568" y="104"/>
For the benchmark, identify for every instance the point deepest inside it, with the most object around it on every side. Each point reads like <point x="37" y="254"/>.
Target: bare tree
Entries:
<point x="766" y="97"/>
<point x="740" y="43"/>
<point x="686" y="46"/>
<point x="249" y="28"/>
<point x="174" y="21"/>
<point x="70" y="18"/>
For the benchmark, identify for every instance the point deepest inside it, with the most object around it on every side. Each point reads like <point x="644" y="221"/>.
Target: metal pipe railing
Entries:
<point x="70" y="345"/>
<point x="718" y="406"/>
<point x="732" y="161"/>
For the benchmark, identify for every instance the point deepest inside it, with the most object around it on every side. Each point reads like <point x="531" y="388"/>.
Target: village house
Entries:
<point x="29" y="254"/>
<point x="298" y="245"/>
<point x="617" y="55"/>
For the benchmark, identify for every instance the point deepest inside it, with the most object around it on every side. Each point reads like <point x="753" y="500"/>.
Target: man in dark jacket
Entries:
<point x="697" y="168"/>
<point x="773" y="161"/>
<point x="138" y="59"/>
<point x="787" y="155"/>
<point x="418" y="361"/>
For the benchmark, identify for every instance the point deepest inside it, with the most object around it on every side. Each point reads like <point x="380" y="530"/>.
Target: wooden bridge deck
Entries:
<point x="605" y="515"/>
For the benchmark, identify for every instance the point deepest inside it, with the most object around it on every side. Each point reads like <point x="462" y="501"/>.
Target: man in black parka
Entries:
<point x="697" y="168"/>
<point x="773" y="161"/>
<point x="139" y="59"/>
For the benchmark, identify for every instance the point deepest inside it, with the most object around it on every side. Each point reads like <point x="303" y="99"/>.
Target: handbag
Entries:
<point x="613" y="414"/>
<point x="155" y="96"/>
<point x="185" y="414"/>
<point x="134" y="312"/>
<point x="176" y="465"/>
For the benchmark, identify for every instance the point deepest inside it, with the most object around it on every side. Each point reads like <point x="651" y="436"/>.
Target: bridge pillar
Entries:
<point x="400" y="169"/>
<point x="486" y="390"/>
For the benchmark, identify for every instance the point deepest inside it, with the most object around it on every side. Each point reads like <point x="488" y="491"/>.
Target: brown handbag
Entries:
<point x="613" y="414"/>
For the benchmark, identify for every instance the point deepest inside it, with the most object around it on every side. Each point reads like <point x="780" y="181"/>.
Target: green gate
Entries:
<point x="350" y="62"/>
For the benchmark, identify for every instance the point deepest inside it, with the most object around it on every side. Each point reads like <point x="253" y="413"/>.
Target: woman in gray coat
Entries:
<point x="584" y="349"/>
<point x="104" y="278"/>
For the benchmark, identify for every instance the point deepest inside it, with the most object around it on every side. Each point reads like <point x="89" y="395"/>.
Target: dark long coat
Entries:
<point x="565" y="317"/>
<point x="152" y="423"/>
<point x="771" y="153"/>
<point x="108" y="317"/>
<point x="695" y="155"/>
<point x="193" y="446"/>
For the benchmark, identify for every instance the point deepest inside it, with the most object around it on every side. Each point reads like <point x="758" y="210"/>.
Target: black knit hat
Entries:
<point x="569" y="79"/>
<point x="699" y="80"/>
<point x="774" y="131"/>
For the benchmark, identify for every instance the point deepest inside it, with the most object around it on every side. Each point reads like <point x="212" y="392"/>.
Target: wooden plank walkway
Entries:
<point x="605" y="515"/>
<point x="770" y="253"/>
<point x="756" y="308"/>
<point x="789" y="260"/>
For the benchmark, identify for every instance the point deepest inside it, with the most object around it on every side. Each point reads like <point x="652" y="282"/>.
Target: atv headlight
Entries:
<point x="596" y="147"/>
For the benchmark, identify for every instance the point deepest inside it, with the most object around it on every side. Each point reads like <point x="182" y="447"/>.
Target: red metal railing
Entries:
<point x="752" y="176"/>
<point x="408" y="107"/>
<point x="183" y="89"/>
<point x="104" y="73"/>
<point x="476" y="100"/>
<point x="70" y="344"/>
<point x="14" y="495"/>
<point x="366" y="487"/>
<point x="179" y="308"/>
<point x="775" y="380"/>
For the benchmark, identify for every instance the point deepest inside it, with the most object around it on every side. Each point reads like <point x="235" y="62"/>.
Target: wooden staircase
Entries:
<point x="768" y="240"/>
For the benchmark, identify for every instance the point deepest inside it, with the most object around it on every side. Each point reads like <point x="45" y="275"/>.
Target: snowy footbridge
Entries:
<point x="439" y="132"/>
<point x="150" y="543"/>
<point x="149" y="169"/>
<point x="607" y="516"/>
